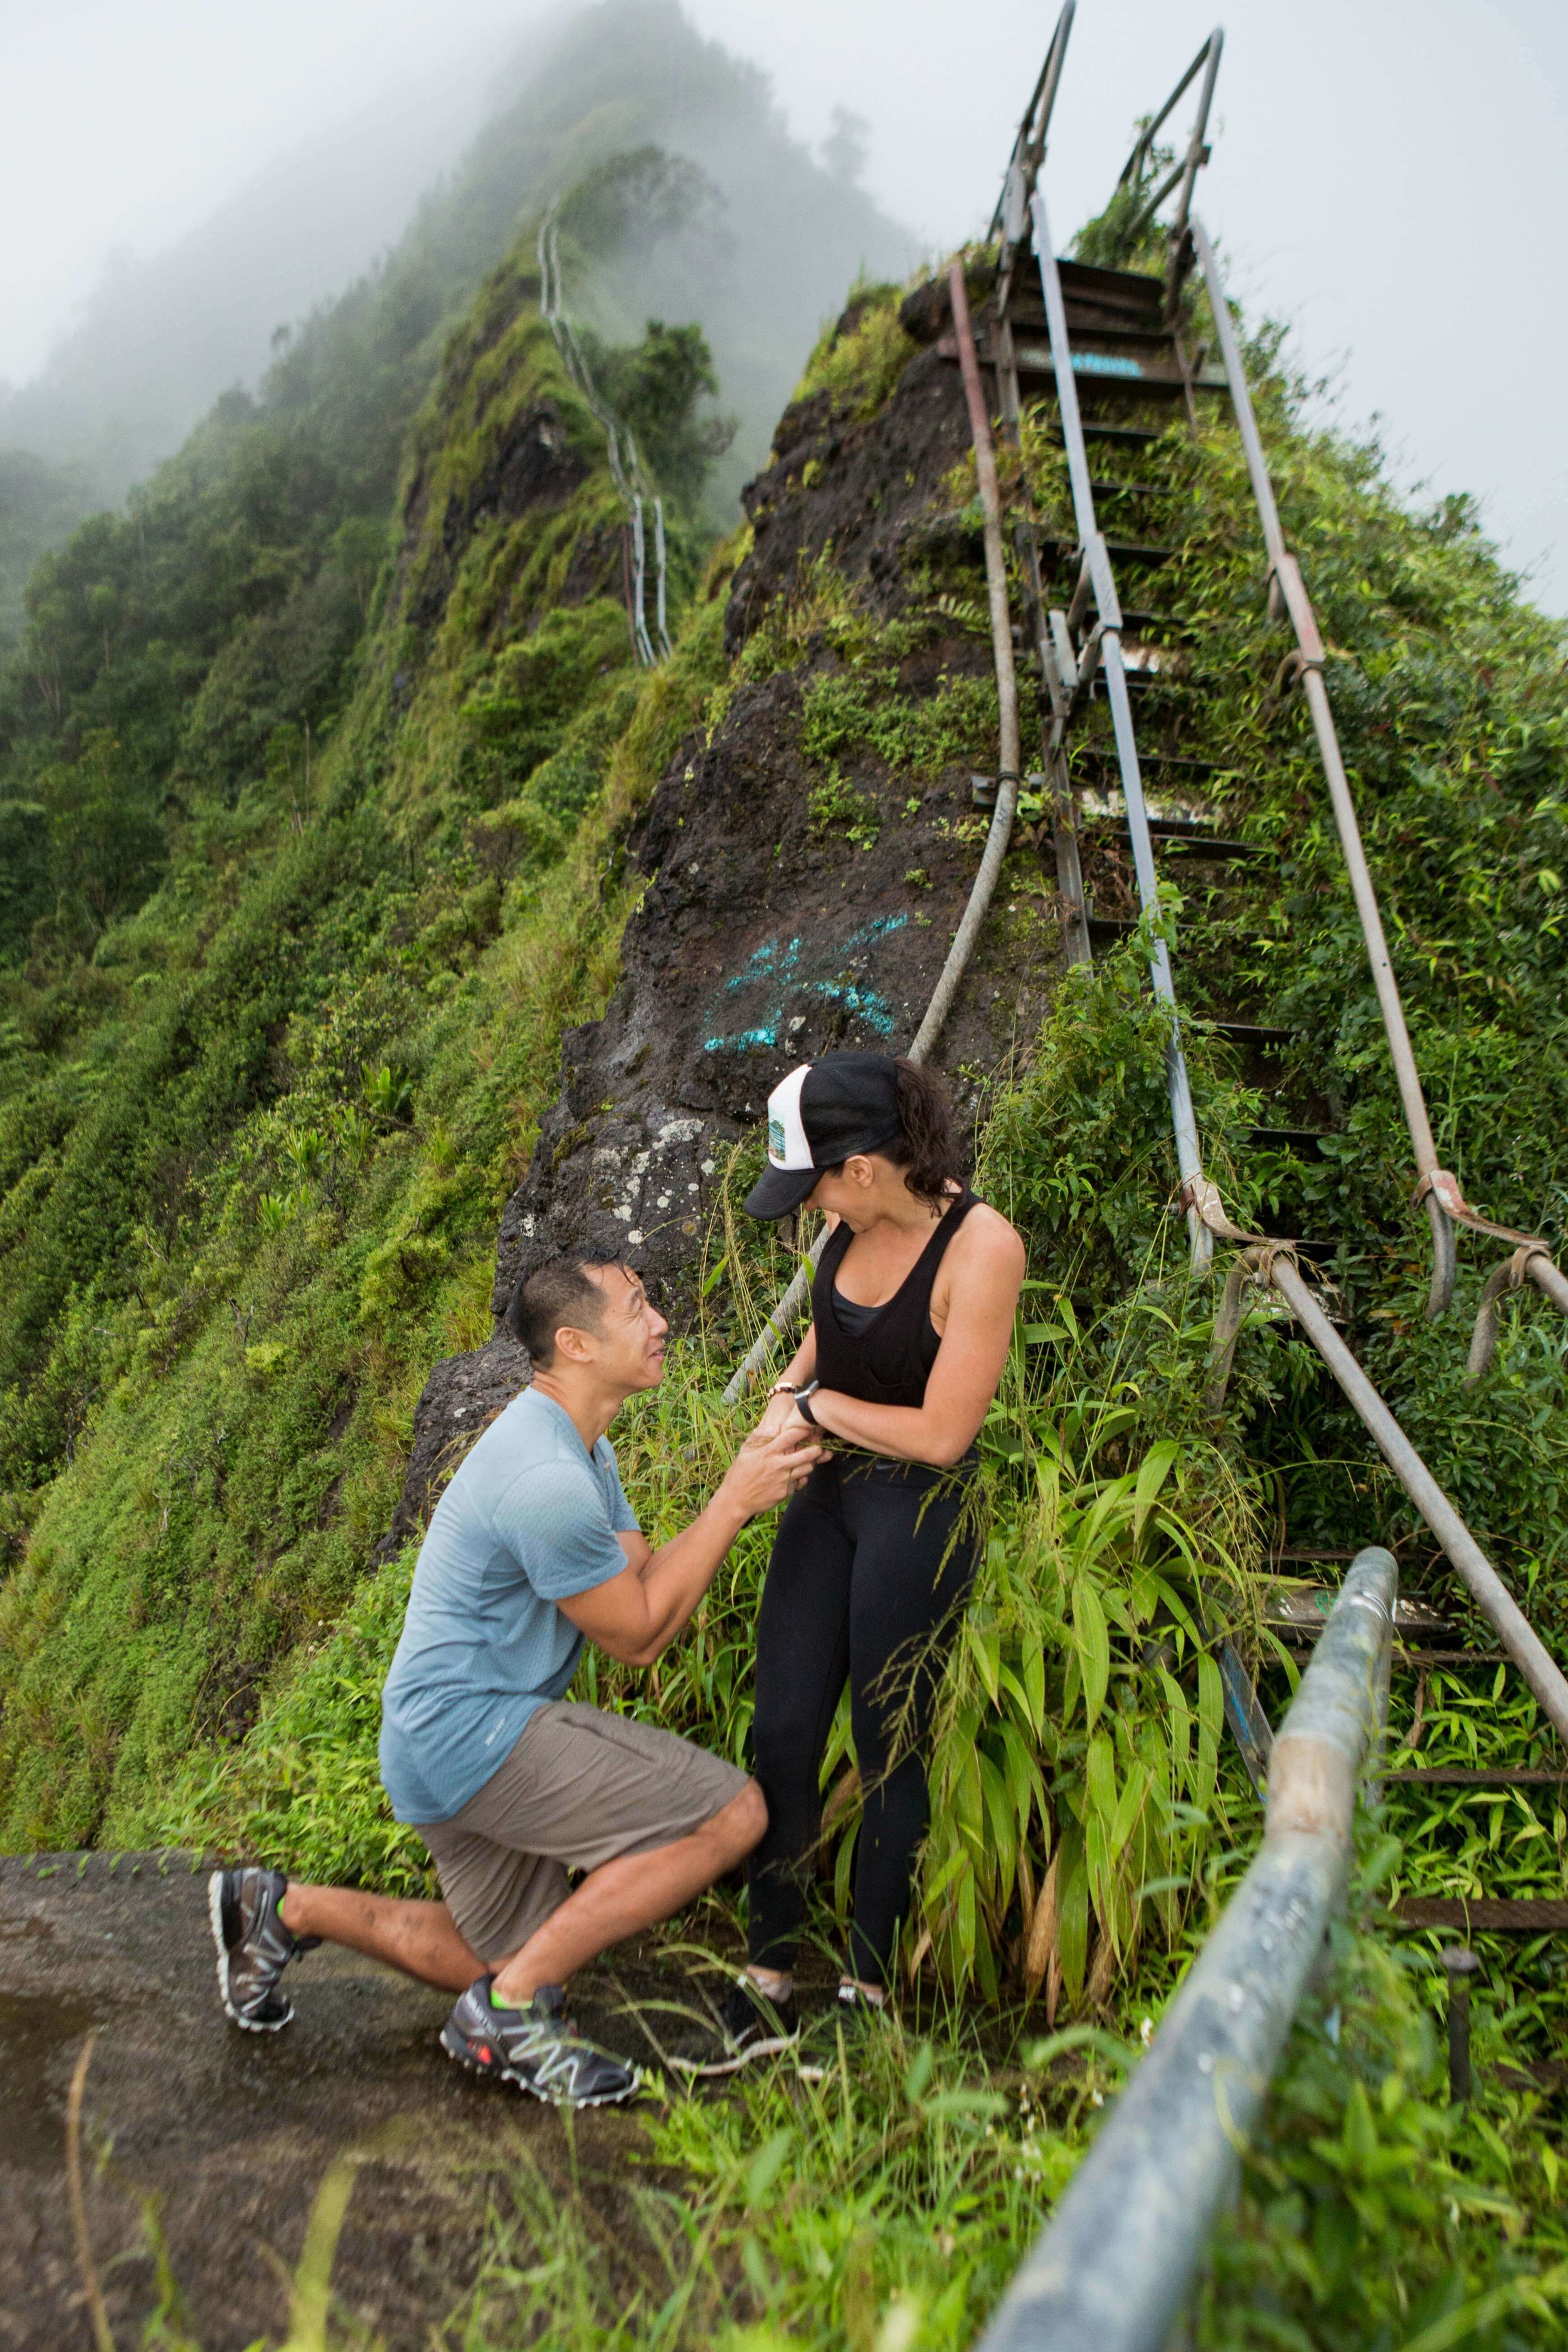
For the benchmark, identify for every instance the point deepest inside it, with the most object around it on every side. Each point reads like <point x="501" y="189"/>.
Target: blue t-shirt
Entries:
<point x="529" y="1519"/>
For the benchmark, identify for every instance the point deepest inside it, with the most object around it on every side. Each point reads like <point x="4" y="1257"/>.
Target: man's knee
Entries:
<point x="745" y="1819"/>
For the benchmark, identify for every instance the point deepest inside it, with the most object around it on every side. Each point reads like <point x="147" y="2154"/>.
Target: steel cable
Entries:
<point x="982" y="888"/>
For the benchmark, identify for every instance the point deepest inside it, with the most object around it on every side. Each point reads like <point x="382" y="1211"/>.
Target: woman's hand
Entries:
<point x="775" y="1413"/>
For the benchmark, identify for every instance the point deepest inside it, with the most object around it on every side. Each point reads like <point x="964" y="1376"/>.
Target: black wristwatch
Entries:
<point x="802" y="1403"/>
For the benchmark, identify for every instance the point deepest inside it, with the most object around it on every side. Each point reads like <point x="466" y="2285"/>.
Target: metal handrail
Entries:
<point x="1115" y="2267"/>
<point x="1029" y="145"/>
<point x="1273" y="1263"/>
<point x="1205" y="1212"/>
<point x="1436" y="1186"/>
<point x="1197" y="153"/>
<point x="1012" y="215"/>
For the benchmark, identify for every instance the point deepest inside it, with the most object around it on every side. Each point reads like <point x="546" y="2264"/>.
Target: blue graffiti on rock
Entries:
<point x="782" y="969"/>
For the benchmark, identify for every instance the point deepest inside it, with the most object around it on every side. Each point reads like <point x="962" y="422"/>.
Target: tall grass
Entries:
<point x="885" y="2209"/>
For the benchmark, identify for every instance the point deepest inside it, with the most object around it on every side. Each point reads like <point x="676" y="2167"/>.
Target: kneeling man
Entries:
<point x="532" y="1547"/>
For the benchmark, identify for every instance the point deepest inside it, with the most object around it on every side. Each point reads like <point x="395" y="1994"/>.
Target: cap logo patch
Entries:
<point x="787" y="1143"/>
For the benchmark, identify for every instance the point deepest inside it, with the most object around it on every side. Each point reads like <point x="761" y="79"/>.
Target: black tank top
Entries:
<point x="888" y="1359"/>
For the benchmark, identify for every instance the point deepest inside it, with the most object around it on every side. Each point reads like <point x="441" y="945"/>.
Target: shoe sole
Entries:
<point x="246" y="2024"/>
<point x="710" y="2069"/>
<point x="460" y="2054"/>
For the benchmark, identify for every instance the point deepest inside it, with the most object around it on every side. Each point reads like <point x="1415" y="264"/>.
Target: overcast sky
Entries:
<point x="1391" y="179"/>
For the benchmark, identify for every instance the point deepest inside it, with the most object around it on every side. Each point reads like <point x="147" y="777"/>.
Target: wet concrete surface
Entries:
<point x="231" y="2132"/>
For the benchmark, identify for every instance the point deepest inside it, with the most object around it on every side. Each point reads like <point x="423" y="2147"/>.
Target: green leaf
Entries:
<point x="1153" y="1473"/>
<point x="1092" y="1642"/>
<point x="1072" y="1918"/>
<point x="766" y="2166"/>
<point x="1128" y="1805"/>
<point x="1099" y="1776"/>
<point x="920" y="2071"/>
<point x="1039" y="2055"/>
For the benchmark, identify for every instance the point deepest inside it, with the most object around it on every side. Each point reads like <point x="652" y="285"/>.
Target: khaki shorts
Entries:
<point x="579" y="1788"/>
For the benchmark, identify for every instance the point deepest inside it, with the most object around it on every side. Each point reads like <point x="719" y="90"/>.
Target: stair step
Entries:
<point x="1089" y="323"/>
<point x="1121" y="550"/>
<point x="1230" y="853"/>
<point x="1127" y="289"/>
<point x="1170" y="764"/>
<point x="1295" y="1608"/>
<point x="1521" y="1918"/>
<point x="1406" y="1659"/>
<point x="1131" y="436"/>
<point x="1444" y="1776"/>
<point x="1181" y="833"/>
<point x="1129" y="489"/>
<point x="1253" y="1032"/>
<point x="1290" y="1139"/>
<point x="1114" y="371"/>
<point x="1145" y="623"/>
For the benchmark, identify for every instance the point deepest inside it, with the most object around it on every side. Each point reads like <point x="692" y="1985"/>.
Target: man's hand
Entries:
<point x="635" y="1615"/>
<point x="769" y="1466"/>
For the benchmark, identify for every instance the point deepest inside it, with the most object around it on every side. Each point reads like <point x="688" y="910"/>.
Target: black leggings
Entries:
<point x="868" y="1579"/>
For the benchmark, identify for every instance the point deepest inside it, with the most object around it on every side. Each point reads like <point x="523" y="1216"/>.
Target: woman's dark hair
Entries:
<point x="926" y="1147"/>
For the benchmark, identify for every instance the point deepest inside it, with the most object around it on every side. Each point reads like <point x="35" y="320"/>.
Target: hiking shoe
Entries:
<point x="750" y="2026"/>
<point x="536" y="2048"/>
<point x="844" y="2026"/>
<point x="253" y="1945"/>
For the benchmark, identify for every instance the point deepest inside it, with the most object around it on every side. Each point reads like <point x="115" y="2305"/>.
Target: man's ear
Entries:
<point x="577" y="1347"/>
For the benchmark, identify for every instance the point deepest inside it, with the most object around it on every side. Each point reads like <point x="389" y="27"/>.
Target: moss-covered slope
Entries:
<point x="239" y="1225"/>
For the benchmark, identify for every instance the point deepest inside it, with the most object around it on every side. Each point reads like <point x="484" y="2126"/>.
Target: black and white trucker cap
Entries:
<point x="820" y="1115"/>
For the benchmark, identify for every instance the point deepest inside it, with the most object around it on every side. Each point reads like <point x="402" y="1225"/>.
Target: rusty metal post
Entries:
<point x="1113" y="2271"/>
<point x="1001" y="833"/>
<point x="1198" y="150"/>
<point x="1459" y="1965"/>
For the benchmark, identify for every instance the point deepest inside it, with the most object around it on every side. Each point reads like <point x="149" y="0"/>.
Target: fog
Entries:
<point x="1383" y="179"/>
<point x="220" y="189"/>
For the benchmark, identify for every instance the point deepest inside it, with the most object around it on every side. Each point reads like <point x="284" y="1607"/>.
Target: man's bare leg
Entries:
<point x="420" y="1939"/>
<point x="633" y="1892"/>
<point x="612" y="1902"/>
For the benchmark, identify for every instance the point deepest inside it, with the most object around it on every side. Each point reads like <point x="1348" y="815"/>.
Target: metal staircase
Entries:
<point x="1108" y="359"/>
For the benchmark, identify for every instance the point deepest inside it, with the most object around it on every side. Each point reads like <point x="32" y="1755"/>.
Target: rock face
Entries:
<point x="764" y="937"/>
<point x="763" y="940"/>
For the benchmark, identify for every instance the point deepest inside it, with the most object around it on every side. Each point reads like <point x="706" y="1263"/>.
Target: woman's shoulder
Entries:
<point x="986" y="1237"/>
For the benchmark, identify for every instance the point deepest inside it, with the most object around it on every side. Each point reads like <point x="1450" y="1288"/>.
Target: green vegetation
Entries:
<point x="886" y="2208"/>
<point x="858" y="360"/>
<point x="256" y="1147"/>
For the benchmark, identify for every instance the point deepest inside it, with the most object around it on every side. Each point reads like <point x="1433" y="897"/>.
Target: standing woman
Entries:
<point x="912" y="1309"/>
